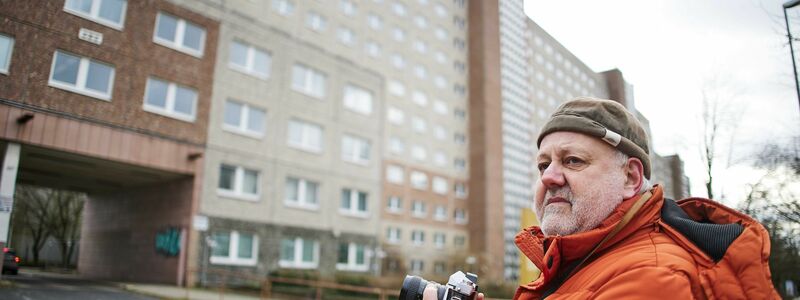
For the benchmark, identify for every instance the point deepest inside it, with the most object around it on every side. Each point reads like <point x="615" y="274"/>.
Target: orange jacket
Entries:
<point x="651" y="259"/>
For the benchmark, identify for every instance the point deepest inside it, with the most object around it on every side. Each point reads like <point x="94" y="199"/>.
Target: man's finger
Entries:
<point x="480" y="296"/>
<point x="429" y="293"/>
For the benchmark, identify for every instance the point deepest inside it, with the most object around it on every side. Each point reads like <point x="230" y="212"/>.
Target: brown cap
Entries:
<point x="604" y="119"/>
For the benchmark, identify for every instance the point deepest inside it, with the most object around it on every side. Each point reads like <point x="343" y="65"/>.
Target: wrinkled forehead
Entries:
<point x="563" y="142"/>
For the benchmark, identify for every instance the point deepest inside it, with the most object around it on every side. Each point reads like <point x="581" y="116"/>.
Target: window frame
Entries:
<point x="417" y="241"/>
<point x="249" y="69"/>
<point x="302" y="196"/>
<point x="244" y="118"/>
<point x="169" y="103"/>
<point x="353" y="99"/>
<point x="358" y="143"/>
<point x="395" y="209"/>
<point x="353" y="211"/>
<point x="297" y="261"/>
<point x="233" y="252"/>
<point x="94" y="14"/>
<point x="309" y="74"/>
<point x="352" y="264"/>
<point x="392" y="173"/>
<point x="180" y="29"/>
<point x="7" y="62"/>
<point x="238" y="184"/>
<point x="305" y="136"/>
<point x="81" y="77"/>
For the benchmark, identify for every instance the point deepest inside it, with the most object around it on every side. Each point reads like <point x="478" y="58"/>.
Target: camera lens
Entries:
<point x="414" y="286"/>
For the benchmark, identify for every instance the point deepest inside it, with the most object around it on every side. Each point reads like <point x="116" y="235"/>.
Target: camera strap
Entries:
<point x="573" y="267"/>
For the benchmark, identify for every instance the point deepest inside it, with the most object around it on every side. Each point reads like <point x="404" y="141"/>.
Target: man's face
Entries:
<point x="581" y="182"/>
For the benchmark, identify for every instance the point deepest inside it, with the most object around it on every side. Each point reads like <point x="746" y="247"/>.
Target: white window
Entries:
<point x="459" y="138"/>
<point x="440" y="185"/>
<point x="374" y="21"/>
<point x="355" y="149"/>
<point x="395" y="115"/>
<point x="352" y="257"/>
<point x="439" y="267"/>
<point x="299" y="253"/>
<point x="440" y="57"/>
<point x="398" y="34"/>
<point x="348" y="7"/>
<point x="396" y="88"/>
<point x="394" y="204"/>
<point x="440" y="159"/>
<point x="179" y="34"/>
<point x="357" y="99"/>
<point x="440" y="107"/>
<point x="238" y="182"/>
<point x="395" y="174"/>
<point x="440" y="10"/>
<point x="396" y="145"/>
<point x="393" y="235"/>
<point x="302" y="193"/>
<point x="420" y="71"/>
<point x="234" y="248"/>
<point x="372" y="49"/>
<point x="440" y="82"/>
<point x="423" y="2"/>
<point x="6" y="48"/>
<point x="421" y="22"/>
<point x="438" y="240"/>
<point x="439" y="132"/>
<point x="249" y="59"/>
<point x="460" y="216"/>
<point x="441" y="34"/>
<point x="346" y="36"/>
<point x="460" y="164"/>
<point x="417" y="237"/>
<point x="399" y="9"/>
<point x="283" y="7"/>
<point x="107" y="12"/>
<point x="305" y="136"/>
<point x="353" y="203"/>
<point x="308" y="81"/>
<point x="170" y="99"/>
<point x="419" y="180"/>
<point x="459" y="241"/>
<point x="79" y="74"/>
<point x="419" y="98"/>
<point x="460" y="114"/>
<point x="418" y="153"/>
<point x="417" y="266"/>
<point x="316" y="21"/>
<point x="243" y="118"/>
<point x="419" y="124"/>
<point x="398" y="61"/>
<point x="440" y="213"/>
<point x="418" y="209"/>
<point x="420" y="46"/>
<point x="460" y="190"/>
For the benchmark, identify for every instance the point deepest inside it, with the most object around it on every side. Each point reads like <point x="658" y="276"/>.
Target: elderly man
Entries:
<point x="607" y="234"/>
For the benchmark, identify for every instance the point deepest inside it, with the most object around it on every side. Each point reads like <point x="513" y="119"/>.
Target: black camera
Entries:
<point x="460" y="286"/>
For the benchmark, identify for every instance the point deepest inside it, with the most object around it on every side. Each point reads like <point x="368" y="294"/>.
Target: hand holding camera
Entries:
<point x="460" y="286"/>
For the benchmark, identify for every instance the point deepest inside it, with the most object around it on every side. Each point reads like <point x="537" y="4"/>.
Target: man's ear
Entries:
<point x="634" y="175"/>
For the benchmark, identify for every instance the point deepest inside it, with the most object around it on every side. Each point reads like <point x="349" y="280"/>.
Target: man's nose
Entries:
<point x="552" y="176"/>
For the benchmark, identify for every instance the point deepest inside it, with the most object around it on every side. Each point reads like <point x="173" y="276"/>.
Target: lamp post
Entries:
<point x="786" y="6"/>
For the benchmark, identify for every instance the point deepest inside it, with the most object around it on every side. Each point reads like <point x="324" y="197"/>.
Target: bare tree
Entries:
<point x="30" y="216"/>
<point x="719" y="122"/>
<point x="65" y="221"/>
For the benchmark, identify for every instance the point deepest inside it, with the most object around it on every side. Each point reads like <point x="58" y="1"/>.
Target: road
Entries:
<point x="45" y="287"/>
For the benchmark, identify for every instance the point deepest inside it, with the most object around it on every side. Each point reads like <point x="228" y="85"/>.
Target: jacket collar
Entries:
<point x="550" y="254"/>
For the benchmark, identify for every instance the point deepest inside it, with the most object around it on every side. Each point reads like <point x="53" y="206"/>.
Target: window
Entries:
<point x="419" y="98"/>
<point x="420" y="71"/>
<point x="243" y="118"/>
<point x="352" y="257"/>
<point x="417" y="266"/>
<point x="299" y="253"/>
<point x="417" y="237"/>
<point x="419" y="180"/>
<point x="459" y="43"/>
<point x="460" y="114"/>
<point x="395" y="174"/>
<point x="421" y="22"/>
<point x="394" y="204"/>
<point x="399" y="9"/>
<point x="308" y="81"/>
<point x="440" y="107"/>
<point x="440" y="10"/>
<point x="460" y="164"/>
<point x="236" y="181"/>
<point x="393" y="235"/>
<point x="179" y="34"/>
<point x="418" y="209"/>
<point x="396" y="88"/>
<point x="438" y="240"/>
<point x="355" y="149"/>
<point x="440" y="185"/>
<point x="374" y="21"/>
<point x="440" y="159"/>
<point x="440" y="82"/>
<point x="439" y="267"/>
<point x="357" y="99"/>
<point x="459" y="138"/>
<point x="420" y="46"/>
<point x="398" y="34"/>
<point x="6" y="48"/>
<point x="418" y="153"/>
<point x="395" y="115"/>
<point x="459" y="241"/>
<point x="305" y="136"/>
<point x="439" y="132"/>
<point x="249" y="60"/>
<point x="398" y="61"/>
<point x="440" y="213"/>
<point x="353" y="203"/>
<point x="460" y="216"/>
<point x="316" y="21"/>
<point x="372" y="49"/>
<point x="396" y="145"/>
<point x="419" y="124"/>
<point x="234" y="248"/>
<point x="346" y="36"/>
<point x="78" y="74"/>
<point x="107" y="12"/>
<point x="348" y="7"/>
<point x="460" y="22"/>
<point x="440" y="57"/>
<point x="170" y="99"/>
<point x="302" y="193"/>
<point x="441" y="34"/>
<point x="460" y="190"/>
<point x="283" y="7"/>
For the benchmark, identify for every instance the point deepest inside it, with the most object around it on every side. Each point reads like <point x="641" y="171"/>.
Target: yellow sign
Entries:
<point x="527" y="270"/>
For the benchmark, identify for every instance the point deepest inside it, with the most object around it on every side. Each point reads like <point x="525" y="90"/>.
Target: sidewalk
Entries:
<point x="176" y="292"/>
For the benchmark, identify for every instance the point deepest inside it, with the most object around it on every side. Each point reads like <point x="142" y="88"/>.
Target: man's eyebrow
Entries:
<point x="561" y="150"/>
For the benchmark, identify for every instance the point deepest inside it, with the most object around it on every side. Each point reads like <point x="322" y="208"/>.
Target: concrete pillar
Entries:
<point x="8" y="181"/>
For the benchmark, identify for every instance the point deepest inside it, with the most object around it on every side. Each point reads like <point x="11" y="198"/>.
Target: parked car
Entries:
<point x="10" y="261"/>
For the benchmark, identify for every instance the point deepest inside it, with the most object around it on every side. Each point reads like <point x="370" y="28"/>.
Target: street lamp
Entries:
<point x="786" y="6"/>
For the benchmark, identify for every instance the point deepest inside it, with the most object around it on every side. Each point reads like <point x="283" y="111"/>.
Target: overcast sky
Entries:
<point x="670" y="49"/>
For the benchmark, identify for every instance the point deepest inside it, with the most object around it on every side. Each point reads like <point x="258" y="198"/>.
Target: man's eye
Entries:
<point x="542" y="166"/>
<point x="573" y="161"/>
